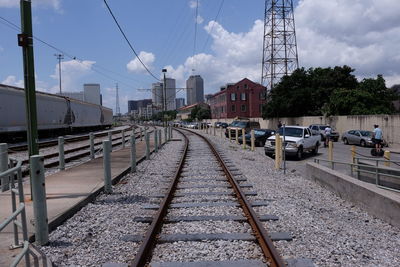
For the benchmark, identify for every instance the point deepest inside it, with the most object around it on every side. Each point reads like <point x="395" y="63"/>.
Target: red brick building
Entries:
<point x="242" y="99"/>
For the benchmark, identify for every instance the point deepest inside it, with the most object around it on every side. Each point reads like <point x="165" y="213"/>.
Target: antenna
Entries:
<point x="280" y="46"/>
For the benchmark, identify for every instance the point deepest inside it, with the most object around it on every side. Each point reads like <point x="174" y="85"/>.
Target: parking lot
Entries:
<point x="341" y="152"/>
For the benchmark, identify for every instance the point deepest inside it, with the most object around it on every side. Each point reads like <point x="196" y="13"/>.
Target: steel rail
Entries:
<point x="70" y="139"/>
<point x="265" y="242"/>
<point x="150" y="238"/>
<point x="270" y="252"/>
<point x="25" y="171"/>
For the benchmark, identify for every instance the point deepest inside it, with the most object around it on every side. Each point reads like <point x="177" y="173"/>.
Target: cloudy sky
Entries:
<point x="228" y="45"/>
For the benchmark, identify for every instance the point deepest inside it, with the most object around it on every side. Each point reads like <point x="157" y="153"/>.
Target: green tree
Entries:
<point x="200" y="113"/>
<point x="328" y="91"/>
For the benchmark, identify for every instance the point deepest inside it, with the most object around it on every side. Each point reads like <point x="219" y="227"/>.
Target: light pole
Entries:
<point x="59" y="57"/>
<point x="164" y="95"/>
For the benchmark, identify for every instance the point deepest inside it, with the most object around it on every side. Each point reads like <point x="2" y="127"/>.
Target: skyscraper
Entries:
<point x="195" y="90"/>
<point x="170" y="94"/>
<point x="158" y="94"/>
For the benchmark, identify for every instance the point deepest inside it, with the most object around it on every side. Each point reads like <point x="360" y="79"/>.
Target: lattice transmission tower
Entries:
<point x="279" y="46"/>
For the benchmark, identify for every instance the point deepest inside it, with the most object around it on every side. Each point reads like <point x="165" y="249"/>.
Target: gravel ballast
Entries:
<point x="96" y="234"/>
<point x="325" y="228"/>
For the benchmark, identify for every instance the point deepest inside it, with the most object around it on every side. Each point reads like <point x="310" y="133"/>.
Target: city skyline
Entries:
<point x="364" y="36"/>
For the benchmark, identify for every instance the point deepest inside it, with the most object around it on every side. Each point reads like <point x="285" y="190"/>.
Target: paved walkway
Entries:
<point x="66" y="190"/>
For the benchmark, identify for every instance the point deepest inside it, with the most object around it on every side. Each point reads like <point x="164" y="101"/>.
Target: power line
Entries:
<point x="195" y="27"/>
<point x="130" y="45"/>
<point x="95" y="68"/>
<point x="214" y="21"/>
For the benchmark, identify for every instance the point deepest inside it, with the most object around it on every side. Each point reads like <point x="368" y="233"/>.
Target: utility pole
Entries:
<point x="164" y="94"/>
<point x="59" y="57"/>
<point x="25" y="40"/>
<point x="117" y="109"/>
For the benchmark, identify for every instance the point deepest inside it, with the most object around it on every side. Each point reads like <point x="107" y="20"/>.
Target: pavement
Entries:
<point x="67" y="191"/>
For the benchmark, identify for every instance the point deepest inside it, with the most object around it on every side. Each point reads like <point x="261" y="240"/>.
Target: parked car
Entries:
<point x="217" y="124"/>
<point x="298" y="139"/>
<point x="224" y="125"/>
<point x="260" y="136"/>
<point x="359" y="137"/>
<point x="320" y="129"/>
<point x="239" y="125"/>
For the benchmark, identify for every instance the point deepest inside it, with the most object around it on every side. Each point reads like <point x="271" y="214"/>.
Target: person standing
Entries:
<point x="327" y="131"/>
<point x="279" y="124"/>
<point x="377" y="138"/>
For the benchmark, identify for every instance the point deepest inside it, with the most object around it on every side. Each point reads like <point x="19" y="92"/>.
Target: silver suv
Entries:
<point x="320" y="129"/>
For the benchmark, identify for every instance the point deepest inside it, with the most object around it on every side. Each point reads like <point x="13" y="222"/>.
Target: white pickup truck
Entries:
<point x="298" y="140"/>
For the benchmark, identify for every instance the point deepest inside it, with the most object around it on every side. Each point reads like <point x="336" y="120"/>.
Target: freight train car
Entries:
<point x="55" y="114"/>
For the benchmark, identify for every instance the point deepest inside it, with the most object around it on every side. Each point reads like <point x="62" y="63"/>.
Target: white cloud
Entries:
<point x="13" y="81"/>
<point x="71" y="73"/>
<point x="199" y="19"/>
<point x="136" y="67"/>
<point x="193" y="4"/>
<point x="362" y="34"/>
<point x="56" y="4"/>
<point x="235" y="56"/>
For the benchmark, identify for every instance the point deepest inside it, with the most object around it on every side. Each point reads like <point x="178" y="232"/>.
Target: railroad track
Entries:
<point x="205" y="192"/>
<point x="49" y="143"/>
<point x="49" y="163"/>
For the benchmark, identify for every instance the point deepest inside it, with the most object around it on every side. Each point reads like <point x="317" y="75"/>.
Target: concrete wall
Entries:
<point x="390" y="124"/>
<point x="384" y="204"/>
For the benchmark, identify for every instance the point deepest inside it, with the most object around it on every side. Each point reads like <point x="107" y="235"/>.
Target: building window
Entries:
<point x="233" y="108"/>
<point x="262" y="95"/>
<point x="233" y="96"/>
<point x="260" y="108"/>
<point x="243" y="108"/>
<point x="243" y="96"/>
<point x="238" y="87"/>
<point x="245" y="86"/>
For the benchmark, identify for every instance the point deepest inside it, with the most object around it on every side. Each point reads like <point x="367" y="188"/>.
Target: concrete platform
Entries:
<point x="382" y="203"/>
<point x="67" y="192"/>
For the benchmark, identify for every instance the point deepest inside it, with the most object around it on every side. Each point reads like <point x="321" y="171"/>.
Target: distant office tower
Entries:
<point x="157" y="94"/>
<point x="180" y="102"/>
<point x="170" y="94"/>
<point x="132" y="105"/>
<point x="91" y="92"/>
<point x="136" y="105"/>
<point x="280" y="47"/>
<point x="194" y="90"/>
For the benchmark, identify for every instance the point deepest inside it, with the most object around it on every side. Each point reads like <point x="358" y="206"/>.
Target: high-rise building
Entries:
<point x="194" y="90"/>
<point x="132" y="105"/>
<point x="170" y="94"/>
<point x="180" y="102"/>
<point x="135" y="105"/>
<point x="157" y="94"/>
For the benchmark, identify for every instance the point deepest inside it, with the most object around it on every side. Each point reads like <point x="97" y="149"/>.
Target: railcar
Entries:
<point x="55" y="114"/>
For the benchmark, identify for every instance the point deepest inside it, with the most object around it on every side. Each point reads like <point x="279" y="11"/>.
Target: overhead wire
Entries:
<point x="127" y="40"/>
<point x="195" y="31"/>
<point x="13" y="26"/>
<point x="213" y="24"/>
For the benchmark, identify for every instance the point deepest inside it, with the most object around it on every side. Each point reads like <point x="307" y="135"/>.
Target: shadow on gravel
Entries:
<point x="124" y="199"/>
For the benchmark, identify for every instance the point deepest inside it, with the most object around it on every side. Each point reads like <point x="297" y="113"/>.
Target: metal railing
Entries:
<point x="16" y="172"/>
<point x="358" y="168"/>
